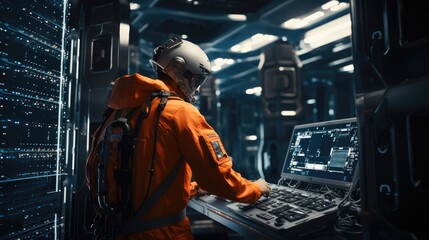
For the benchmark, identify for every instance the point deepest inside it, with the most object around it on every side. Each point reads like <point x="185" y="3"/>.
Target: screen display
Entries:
<point x="323" y="153"/>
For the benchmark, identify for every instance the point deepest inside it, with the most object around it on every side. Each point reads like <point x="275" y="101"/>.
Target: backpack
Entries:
<point x="109" y="173"/>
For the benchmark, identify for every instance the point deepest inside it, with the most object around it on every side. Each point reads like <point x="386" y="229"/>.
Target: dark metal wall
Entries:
<point x="392" y="85"/>
<point x="105" y="55"/>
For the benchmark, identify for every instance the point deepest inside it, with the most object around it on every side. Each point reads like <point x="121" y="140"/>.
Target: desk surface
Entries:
<point x="216" y="209"/>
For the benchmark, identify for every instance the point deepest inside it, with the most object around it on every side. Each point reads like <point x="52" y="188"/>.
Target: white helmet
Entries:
<point x="185" y="63"/>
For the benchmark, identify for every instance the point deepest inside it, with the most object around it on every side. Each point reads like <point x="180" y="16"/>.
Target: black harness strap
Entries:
<point x="136" y="225"/>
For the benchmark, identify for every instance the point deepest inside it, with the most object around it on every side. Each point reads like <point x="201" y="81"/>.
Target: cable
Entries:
<point x="348" y="224"/>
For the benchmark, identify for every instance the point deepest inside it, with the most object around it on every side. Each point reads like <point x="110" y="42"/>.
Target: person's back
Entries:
<point x="176" y="138"/>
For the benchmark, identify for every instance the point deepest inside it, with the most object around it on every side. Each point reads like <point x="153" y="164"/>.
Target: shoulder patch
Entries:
<point x="217" y="149"/>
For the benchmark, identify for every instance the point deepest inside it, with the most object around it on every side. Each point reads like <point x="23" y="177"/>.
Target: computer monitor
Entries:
<point x="323" y="153"/>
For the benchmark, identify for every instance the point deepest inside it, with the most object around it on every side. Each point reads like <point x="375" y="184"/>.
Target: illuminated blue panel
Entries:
<point x="32" y="90"/>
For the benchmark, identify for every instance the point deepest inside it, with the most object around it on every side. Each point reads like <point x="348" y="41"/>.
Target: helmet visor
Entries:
<point x="197" y="81"/>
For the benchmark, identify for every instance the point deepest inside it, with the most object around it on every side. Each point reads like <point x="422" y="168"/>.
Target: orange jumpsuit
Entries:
<point x="182" y="133"/>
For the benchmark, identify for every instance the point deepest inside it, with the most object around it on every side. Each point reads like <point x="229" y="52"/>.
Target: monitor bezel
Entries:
<point x="318" y="180"/>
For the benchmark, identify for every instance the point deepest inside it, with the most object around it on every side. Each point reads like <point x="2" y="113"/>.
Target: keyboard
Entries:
<point x="287" y="207"/>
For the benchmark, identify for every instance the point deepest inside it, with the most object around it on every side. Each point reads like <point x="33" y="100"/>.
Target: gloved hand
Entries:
<point x="263" y="185"/>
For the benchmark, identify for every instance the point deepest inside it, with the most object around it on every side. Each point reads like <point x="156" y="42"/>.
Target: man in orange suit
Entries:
<point x="175" y="137"/>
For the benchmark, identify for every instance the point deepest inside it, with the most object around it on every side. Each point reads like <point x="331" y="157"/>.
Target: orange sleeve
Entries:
<point x="210" y="163"/>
